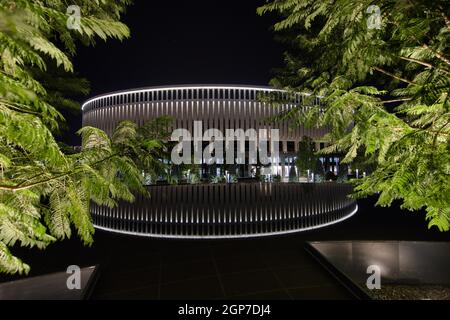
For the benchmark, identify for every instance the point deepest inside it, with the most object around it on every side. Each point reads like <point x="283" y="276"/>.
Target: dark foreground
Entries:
<point x="264" y="268"/>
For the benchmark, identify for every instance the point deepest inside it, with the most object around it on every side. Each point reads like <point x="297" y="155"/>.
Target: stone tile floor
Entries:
<point x="220" y="270"/>
<point x="256" y="268"/>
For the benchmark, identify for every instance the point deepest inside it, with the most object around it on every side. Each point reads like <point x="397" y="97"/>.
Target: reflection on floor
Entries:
<point x="412" y="270"/>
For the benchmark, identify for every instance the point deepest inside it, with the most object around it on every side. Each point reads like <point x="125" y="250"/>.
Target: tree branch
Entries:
<point x="397" y="100"/>
<point x="426" y="64"/>
<point x="393" y="75"/>
<point x="20" y="186"/>
<point x="446" y="19"/>
<point x="438" y="55"/>
<point x="15" y="108"/>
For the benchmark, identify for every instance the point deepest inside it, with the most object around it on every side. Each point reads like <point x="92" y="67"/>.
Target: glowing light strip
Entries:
<point x="181" y="88"/>
<point x="264" y="234"/>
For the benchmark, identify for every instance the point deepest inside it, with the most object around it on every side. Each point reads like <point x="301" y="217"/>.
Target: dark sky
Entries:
<point x="184" y="42"/>
<point x="181" y="42"/>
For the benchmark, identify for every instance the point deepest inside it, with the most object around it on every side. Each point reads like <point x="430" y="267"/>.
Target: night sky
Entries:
<point x="182" y="42"/>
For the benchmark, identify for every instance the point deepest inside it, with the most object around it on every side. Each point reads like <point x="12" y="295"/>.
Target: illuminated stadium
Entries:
<point x="229" y="208"/>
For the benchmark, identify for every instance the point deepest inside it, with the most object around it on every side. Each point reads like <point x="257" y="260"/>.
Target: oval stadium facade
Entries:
<point x="221" y="210"/>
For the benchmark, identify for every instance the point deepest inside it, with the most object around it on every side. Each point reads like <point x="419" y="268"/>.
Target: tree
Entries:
<point x="306" y="156"/>
<point x="145" y="145"/>
<point x="383" y="73"/>
<point x="44" y="192"/>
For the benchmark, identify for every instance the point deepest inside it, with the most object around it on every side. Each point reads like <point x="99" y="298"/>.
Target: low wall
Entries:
<point x="229" y="210"/>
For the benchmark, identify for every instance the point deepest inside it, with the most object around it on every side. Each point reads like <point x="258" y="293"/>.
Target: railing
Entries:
<point x="185" y="93"/>
<point x="218" y="107"/>
<point x="229" y="210"/>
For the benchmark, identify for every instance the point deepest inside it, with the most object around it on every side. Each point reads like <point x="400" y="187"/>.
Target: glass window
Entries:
<point x="290" y="146"/>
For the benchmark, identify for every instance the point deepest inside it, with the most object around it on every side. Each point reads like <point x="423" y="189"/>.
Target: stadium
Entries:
<point x="260" y="199"/>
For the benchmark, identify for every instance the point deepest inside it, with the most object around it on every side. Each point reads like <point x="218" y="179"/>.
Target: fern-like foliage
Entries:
<point x="45" y="194"/>
<point x="385" y="91"/>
